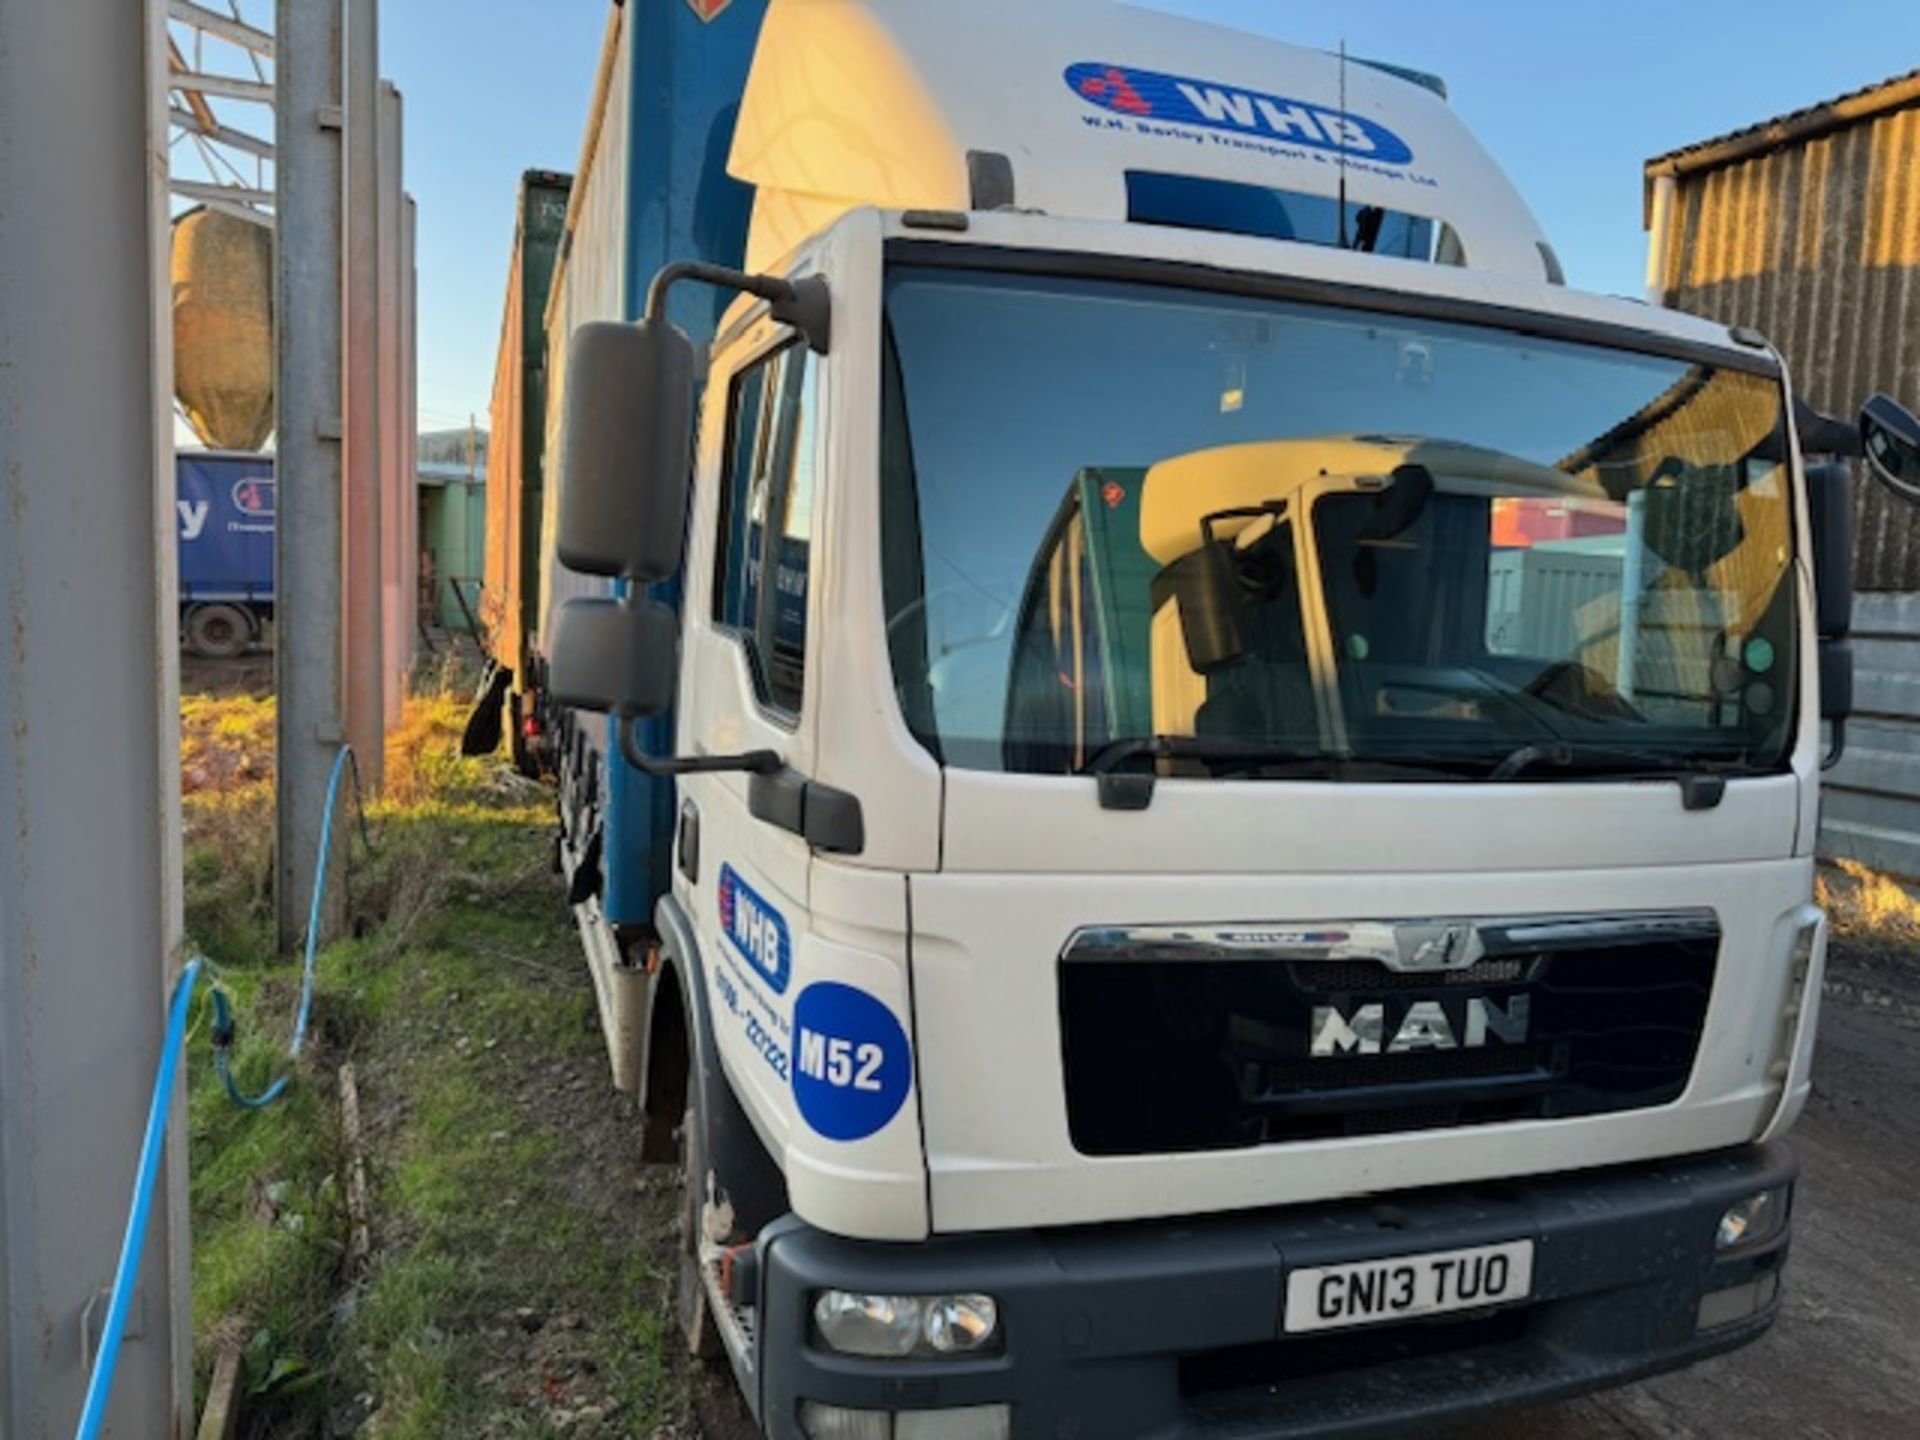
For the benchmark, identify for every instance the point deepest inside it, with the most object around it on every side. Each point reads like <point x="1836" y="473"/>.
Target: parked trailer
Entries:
<point x="225" y="509"/>
<point x="1128" y="927"/>
<point x="516" y="468"/>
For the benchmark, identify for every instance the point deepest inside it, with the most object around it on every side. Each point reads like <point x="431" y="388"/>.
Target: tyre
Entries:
<point x="218" y="632"/>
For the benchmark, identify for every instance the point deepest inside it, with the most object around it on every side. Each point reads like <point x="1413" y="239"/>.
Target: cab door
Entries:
<point x="745" y="681"/>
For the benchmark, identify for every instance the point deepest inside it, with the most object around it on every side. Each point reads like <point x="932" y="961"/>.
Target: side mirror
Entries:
<point x="1836" y="696"/>
<point x="1890" y="436"/>
<point x="1830" y="504"/>
<point x="626" y="450"/>
<point x="1205" y="587"/>
<point x="617" y="657"/>
<point x="1830" y="500"/>
<point x="1836" y="681"/>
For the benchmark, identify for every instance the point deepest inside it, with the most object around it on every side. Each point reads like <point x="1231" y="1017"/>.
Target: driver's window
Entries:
<point x="764" y="560"/>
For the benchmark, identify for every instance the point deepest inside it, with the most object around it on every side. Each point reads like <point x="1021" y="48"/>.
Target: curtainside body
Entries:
<point x="225" y="515"/>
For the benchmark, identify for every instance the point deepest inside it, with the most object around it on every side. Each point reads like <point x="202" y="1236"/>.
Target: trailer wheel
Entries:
<point x="218" y="632"/>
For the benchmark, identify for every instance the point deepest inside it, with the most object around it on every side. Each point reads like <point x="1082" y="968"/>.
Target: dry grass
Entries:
<point x="1870" y="911"/>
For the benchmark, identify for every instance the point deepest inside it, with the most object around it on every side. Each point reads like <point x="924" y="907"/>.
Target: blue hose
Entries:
<point x="222" y="1018"/>
<point x="100" y="1386"/>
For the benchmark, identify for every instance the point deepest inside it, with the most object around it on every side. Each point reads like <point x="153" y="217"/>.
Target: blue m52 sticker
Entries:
<point x="757" y="930"/>
<point x="852" y="1064"/>
<point x="1178" y="100"/>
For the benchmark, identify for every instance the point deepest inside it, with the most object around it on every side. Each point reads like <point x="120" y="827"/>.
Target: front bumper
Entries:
<point x="1171" y="1330"/>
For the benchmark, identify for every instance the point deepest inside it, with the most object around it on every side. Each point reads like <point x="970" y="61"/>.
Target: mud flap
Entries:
<point x="587" y="881"/>
<point x="484" y="728"/>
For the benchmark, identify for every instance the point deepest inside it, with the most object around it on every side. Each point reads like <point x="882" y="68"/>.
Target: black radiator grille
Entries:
<point x="1216" y="1054"/>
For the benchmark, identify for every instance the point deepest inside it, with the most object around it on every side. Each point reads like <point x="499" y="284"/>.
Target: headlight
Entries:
<point x="883" y="1326"/>
<point x="1756" y="1219"/>
<point x="961" y="1324"/>
<point x="893" y="1327"/>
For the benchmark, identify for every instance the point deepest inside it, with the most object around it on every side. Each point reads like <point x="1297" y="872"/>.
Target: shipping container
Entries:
<point x="516" y="469"/>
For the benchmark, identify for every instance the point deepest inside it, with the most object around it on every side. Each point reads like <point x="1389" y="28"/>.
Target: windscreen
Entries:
<point x="1289" y="535"/>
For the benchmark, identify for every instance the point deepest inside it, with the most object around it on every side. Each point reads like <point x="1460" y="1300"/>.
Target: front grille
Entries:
<point x="1217" y="1054"/>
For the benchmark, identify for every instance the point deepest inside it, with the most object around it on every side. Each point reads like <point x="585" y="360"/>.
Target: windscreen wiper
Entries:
<point x="1120" y="791"/>
<point x="1703" y="783"/>
<point x="1223" y="757"/>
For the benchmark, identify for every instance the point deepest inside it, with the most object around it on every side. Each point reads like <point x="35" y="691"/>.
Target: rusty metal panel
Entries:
<point x="1815" y="242"/>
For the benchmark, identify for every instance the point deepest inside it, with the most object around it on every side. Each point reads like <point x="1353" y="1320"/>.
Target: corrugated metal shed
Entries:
<point x="1807" y="228"/>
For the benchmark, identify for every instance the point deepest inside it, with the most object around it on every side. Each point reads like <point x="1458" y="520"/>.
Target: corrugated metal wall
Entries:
<point x="1817" y="245"/>
<point x="1870" y="804"/>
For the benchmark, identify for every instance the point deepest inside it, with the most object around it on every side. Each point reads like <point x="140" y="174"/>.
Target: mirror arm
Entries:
<point x="754" y="762"/>
<point x="1837" y="750"/>
<point x="805" y="304"/>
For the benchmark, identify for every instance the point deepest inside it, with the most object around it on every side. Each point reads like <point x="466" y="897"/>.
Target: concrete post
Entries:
<point x="90" y="927"/>
<point x="309" y="676"/>
<point x="365" y="636"/>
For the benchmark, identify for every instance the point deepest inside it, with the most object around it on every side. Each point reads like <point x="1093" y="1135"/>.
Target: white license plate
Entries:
<point x="1373" y="1292"/>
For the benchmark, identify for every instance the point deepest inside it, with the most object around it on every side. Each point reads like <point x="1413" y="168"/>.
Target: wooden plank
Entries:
<point x="359" y="1199"/>
<point x="222" y="1415"/>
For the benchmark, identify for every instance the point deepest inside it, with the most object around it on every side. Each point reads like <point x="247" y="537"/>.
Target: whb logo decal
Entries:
<point x="708" y="9"/>
<point x="1176" y="100"/>
<point x="852" y="1065"/>
<point x="757" y="930"/>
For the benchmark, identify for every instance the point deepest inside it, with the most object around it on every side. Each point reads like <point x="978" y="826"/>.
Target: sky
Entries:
<point x="1570" y="97"/>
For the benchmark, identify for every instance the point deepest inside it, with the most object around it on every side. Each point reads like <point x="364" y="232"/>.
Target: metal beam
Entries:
<point x="176" y="62"/>
<point x="224" y="87"/>
<point x="410" y="400"/>
<point x="366" y="703"/>
<point x="240" y="212"/>
<point x="234" y="32"/>
<point x="397" y="607"/>
<point x="220" y="134"/>
<point x="90" y="915"/>
<point x="232" y="194"/>
<point x="307" y="383"/>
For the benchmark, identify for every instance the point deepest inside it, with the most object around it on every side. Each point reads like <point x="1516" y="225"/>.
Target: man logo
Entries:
<point x="1425" y="1027"/>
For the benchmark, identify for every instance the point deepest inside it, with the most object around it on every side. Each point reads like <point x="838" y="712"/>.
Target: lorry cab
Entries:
<point x="1241" y="754"/>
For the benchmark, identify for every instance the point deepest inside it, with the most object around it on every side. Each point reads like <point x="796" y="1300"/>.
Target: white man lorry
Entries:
<point x="1192" y="789"/>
